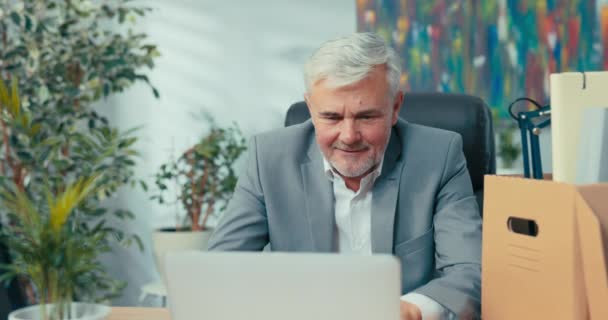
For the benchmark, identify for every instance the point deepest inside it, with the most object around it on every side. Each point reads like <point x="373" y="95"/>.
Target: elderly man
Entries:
<point x="358" y="179"/>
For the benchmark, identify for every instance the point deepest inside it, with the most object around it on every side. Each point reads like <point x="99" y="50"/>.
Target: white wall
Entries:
<point x="239" y="60"/>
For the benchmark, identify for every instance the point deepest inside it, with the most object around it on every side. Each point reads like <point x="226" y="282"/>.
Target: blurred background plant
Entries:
<point x="203" y="175"/>
<point x="63" y="56"/>
<point x="49" y="249"/>
<point x="509" y="149"/>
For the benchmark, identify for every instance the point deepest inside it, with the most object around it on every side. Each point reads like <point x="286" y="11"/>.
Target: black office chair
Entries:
<point x="467" y="115"/>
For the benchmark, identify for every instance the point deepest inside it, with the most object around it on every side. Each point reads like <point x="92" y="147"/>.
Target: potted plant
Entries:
<point x="201" y="181"/>
<point x="64" y="56"/>
<point x="508" y="150"/>
<point x="53" y="253"/>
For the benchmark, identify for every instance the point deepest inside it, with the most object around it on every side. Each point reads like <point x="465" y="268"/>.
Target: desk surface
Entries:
<point x="133" y="313"/>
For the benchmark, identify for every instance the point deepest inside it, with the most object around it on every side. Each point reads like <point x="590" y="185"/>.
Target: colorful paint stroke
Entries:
<point x="496" y="49"/>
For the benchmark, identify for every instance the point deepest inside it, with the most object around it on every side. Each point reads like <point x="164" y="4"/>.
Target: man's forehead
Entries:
<point x="340" y="98"/>
<point x="349" y="108"/>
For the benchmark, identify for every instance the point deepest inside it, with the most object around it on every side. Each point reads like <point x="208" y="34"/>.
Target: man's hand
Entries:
<point x="410" y="311"/>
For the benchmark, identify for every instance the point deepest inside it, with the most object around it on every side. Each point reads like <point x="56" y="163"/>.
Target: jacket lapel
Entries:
<point x="319" y="200"/>
<point x="384" y="198"/>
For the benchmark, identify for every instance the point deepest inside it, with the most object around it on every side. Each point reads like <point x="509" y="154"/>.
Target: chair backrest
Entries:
<point x="467" y="115"/>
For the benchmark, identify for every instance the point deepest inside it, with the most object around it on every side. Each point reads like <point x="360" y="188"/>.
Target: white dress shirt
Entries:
<point x="353" y="211"/>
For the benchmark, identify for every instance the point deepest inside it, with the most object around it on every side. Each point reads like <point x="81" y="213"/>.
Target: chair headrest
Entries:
<point x="467" y="115"/>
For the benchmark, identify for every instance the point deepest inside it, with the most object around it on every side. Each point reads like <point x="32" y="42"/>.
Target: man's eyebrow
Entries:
<point x="362" y="113"/>
<point x="329" y="114"/>
<point x="369" y="112"/>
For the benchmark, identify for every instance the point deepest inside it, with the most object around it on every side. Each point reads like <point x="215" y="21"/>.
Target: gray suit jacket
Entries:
<point x="423" y="208"/>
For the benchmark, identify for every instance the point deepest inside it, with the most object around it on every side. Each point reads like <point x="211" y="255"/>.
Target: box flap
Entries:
<point x="592" y="220"/>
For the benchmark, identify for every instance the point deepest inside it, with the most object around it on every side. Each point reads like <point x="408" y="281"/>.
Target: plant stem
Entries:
<point x="4" y="129"/>
<point x="7" y="150"/>
<point x="207" y="213"/>
<point x="18" y="170"/>
<point x="20" y="178"/>
<point x="201" y="194"/>
<point x="194" y="210"/>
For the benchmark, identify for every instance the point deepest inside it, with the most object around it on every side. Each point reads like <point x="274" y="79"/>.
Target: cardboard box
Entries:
<point x="592" y="220"/>
<point x="544" y="252"/>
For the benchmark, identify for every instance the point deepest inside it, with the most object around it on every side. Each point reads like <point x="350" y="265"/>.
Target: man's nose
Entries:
<point x="349" y="132"/>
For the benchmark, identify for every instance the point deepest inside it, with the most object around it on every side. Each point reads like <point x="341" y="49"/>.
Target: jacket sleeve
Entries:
<point x="244" y="226"/>
<point x="457" y="282"/>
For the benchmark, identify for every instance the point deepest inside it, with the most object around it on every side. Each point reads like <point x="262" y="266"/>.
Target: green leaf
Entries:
<point x="72" y="92"/>
<point x="16" y="18"/>
<point x="25" y="156"/>
<point x="7" y="277"/>
<point x="98" y="212"/>
<point x="124" y="214"/>
<point x="127" y="143"/>
<point x="61" y="164"/>
<point x="35" y="129"/>
<point x="16" y="52"/>
<point x="140" y="244"/>
<point x="13" y="66"/>
<point x="14" y="141"/>
<point x="132" y="153"/>
<point x="61" y="207"/>
<point x="15" y="106"/>
<point x="106" y="89"/>
<point x="51" y="141"/>
<point x="44" y="155"/>
<point x="28" y="23"/>
<point x="121" y="15"/>
<point x="4" y="96"/>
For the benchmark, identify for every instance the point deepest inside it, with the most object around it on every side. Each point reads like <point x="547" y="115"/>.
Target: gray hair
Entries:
<point x="347" y="60"/>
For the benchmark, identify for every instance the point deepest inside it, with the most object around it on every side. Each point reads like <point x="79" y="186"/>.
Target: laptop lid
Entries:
<point x="279" y="286"/>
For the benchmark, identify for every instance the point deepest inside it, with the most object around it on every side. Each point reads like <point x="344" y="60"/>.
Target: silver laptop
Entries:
<point x="280" y="286"/>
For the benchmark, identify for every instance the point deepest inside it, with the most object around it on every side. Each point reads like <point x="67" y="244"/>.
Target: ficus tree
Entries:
<point x="57" y="59"/>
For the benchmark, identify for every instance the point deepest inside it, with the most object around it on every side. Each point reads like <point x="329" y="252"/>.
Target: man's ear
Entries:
<point x="397" y="106"/>
<point x="307" y="99"/>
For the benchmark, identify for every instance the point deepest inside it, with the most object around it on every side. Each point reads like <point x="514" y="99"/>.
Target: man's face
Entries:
<point x="353" y="123"/>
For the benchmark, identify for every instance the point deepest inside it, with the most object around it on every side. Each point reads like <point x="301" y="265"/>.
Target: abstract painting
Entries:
<point x="499" y="50"/>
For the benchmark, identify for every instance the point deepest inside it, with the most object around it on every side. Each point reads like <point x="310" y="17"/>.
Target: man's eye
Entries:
<point x="367" y="117"/>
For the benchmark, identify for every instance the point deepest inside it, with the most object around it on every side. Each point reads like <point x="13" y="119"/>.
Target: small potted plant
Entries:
<point x="200" y="181"/>
<point x="59" y="259"/>
<point x="508" y="150"/>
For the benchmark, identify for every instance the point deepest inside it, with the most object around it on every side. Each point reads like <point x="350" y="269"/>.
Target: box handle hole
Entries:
<point x="523" y="226"/>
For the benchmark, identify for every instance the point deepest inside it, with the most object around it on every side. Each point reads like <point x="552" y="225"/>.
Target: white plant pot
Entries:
<point x="509" y="171"/>
<point x="79" y="310"/>
<point x="172" y="241"/>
